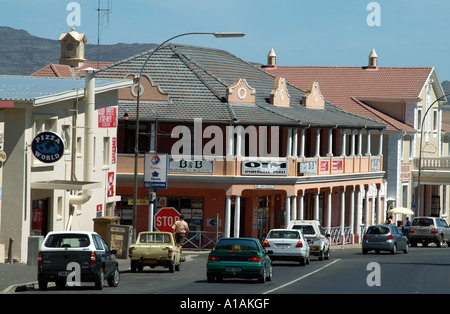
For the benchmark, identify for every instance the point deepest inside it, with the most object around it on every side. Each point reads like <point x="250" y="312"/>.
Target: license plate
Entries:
<point x="233" y="269"/>
<point x="63" y="273"/>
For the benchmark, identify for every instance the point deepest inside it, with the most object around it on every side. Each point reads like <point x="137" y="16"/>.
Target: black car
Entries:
<point x="72" y="257"/>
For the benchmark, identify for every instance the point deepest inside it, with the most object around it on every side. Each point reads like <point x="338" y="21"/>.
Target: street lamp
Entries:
<point x="420" y="153"/>
<point x="136" y="142"/>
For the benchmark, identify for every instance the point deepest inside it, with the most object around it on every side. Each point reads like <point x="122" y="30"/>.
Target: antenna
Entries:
<point x="106" y="12"/>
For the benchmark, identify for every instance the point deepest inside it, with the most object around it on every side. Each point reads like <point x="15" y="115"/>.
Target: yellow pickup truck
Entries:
<point x="154" y="249"/>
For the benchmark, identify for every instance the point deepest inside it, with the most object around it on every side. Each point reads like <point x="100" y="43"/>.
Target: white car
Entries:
<point x="287" y="245"/>
<point x="313" y="231"/>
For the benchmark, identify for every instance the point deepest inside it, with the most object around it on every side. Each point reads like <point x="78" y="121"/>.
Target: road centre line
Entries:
<point x="300" y="278"/>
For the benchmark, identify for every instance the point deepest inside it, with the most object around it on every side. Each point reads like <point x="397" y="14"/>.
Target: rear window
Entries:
<point x="423" y="222"/>
<point x="378" y="230"/>
<point x="283" y="235"/>
<point x="236" y="245"/>
<point x="67" y="240"/>
<point x="154" y="238"/>
<point x="306" y="229"/>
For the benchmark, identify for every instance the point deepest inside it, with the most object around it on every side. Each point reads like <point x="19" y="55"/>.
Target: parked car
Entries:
<point x="287" y="245"/>
<point x="314" y="233"/>
<point x="429" y="230"/>
<point x="384" y="238"/>
<point x="79" y="255"/>
<point x="238" y="258"/>
<point x="155" y="249"/>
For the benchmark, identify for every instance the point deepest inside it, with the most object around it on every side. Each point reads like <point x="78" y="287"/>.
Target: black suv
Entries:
<point x="429" y="230"/>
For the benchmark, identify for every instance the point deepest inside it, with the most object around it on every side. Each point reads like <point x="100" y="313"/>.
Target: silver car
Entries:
<point x="287" y="245"/>
<point x="427" y="230"/>
<point x="384" y="238"/>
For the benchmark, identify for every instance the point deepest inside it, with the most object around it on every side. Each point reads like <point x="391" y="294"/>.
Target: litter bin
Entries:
<point x="101" y="225"/>
<point x="34" y="244"/>
<point x="118" y="238"/>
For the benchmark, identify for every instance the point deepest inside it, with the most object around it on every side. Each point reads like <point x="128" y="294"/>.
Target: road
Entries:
<point x="421" y="271"/>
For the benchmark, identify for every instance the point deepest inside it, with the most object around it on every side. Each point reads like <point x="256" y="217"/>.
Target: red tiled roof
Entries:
<point x="62" y="70"/>
<point x="350" y="87"/>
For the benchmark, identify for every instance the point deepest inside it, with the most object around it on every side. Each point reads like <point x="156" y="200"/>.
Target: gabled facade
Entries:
<point x="398" y="97"/>
<point x="44" y="189"/>
<point x="248" y="152"/>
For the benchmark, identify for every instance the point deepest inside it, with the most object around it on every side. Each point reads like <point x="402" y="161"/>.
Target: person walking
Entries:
<point x="181" y="231"/>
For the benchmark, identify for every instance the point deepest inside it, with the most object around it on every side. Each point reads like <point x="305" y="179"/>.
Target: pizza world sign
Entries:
<point x="48" y="147"/>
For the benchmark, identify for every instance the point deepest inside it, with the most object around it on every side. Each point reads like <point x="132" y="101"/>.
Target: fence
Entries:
<point x="202" y="240"/>
<point x="336" y="235"/>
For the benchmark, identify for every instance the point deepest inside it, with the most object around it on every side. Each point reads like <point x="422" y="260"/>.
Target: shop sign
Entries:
<point x="47" y="147"/>
<point x="107" y="117"/>
<point x="155" y="171"/>
<point x="264" y="168"/>
<point x="190" y="166"/>
<point x="307" y="167"/>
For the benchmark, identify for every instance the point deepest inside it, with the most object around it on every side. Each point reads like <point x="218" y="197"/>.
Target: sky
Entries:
<point x="409" y="33"/>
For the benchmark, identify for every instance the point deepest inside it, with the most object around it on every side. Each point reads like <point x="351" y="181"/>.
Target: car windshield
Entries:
<point x="378" y="230"/>
<point x="423" y="222"/>
<point x="306" y="229"/>
<point x="236" y="245"/>
<point x="74" y="240"/>
<point x="282" y="234"/>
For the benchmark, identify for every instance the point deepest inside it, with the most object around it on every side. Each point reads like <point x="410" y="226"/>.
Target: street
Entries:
<point x="424" y="270"/>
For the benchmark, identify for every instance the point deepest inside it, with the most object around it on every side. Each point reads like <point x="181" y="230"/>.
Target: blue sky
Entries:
<point x="320" y="32"/>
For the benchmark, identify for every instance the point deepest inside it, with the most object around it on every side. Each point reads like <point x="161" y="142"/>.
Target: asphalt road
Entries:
<point x="421" y="271"/>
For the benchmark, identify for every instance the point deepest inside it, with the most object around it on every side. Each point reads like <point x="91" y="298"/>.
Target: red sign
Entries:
<point x="107" y="117"/>
<point x="165" y="218"/>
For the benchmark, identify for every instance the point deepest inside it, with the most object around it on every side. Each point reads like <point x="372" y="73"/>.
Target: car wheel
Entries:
<point x="262" y="276"/>
<point x="171" y="267"/>
<point x="42" y="284"/>
<point x="406" y="250"/>
<point x="322" y="255"/>
<point x="100" y="282"/>
<point x="269" y="277"/>
<point x="327" y="256"/>
<point x="365" y="251"/>
<point x="133" y="266"/>
<point x="114" y="278"/>
<point x="178" y="266"/>
<point x="440" y="241"/>
<point x="60" y="283"/>
<point x="302" y="261"/>
<point x="394" y="249"/>
<point x="211" y="278"/>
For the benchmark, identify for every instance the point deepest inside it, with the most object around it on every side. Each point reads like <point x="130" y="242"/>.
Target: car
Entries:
<point x="287" y="245"/>
<point x="154" y="248"/>
<point x="314" y="233"/>
<point x="384" y="238"/>
<point x="239" y="258"/>
<point x="427" y="230"/>
<point x="73" y="257"/>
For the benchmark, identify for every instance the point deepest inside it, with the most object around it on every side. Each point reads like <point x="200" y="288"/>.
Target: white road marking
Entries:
<point x="302" y="277"/>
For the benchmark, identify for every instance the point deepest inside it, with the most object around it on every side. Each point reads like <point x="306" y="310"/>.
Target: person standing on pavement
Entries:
<point x="181" y="231"/>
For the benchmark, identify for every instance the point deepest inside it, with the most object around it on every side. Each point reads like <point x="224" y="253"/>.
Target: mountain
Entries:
<point x="23" y="54"/>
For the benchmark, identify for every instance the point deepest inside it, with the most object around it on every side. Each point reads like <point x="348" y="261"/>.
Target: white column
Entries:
<point x="368" y="143"/>
<point x="330" y="142"/>
<point x="294" y="207"/>
<point x="301" y="210"/>
<point x="317" y="142"/>
<point x="358" y="212"/>
<point x="353" y="143"/>
<point x="366" y="207"/>
<point x="227" y="216"/>
<point x="329" y="195"/>
<point x="360" y="143"/>
<point x="230" y="142"/>
<point x="287" y="211"/>
<point x="295" y="143"/>
<point x="378" y="209"/>
<point x="352" y="212"/>
<point x="380" y="148"/>
<point x="302" y="142"/>
<point x="316" y="206"/>
<point x="342" y="213"/>
<point x="344" y="140"/>
<point x="237" y="215"/>
<point x="289" y="143"/>
<point x="239" y="141"/>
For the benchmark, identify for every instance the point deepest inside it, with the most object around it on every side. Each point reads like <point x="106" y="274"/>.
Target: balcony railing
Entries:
<point x="438" y="163"/>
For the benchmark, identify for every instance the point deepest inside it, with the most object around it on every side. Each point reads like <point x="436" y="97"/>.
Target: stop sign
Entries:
<point x="165" y="218"/>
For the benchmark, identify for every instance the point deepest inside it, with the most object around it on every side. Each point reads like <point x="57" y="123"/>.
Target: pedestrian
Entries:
<point x="408" y="222"/>
<point x="181" y="231"/>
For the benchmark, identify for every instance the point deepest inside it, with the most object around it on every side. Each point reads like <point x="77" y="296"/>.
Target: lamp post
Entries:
<point x="136" y="143"/>
<point x="420" y="153"/>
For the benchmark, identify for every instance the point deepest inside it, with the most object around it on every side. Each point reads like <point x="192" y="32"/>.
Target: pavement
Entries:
<point x="20" y="277"/>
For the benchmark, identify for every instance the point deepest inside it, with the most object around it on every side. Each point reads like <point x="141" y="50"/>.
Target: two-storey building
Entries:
<point x="408" y="100"/>
<point x="247" y="151"/>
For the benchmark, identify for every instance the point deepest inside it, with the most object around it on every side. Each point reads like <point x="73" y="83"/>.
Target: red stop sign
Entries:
<point x="165" y="218"/>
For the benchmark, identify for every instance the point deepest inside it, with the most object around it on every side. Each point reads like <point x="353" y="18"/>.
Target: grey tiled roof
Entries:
<point x="196" y="79"/>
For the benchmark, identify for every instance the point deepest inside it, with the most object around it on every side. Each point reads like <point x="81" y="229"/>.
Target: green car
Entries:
<point x="238" y="258"/>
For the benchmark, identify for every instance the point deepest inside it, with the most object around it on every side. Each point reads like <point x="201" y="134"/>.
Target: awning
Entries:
<point x="65" y="185"/>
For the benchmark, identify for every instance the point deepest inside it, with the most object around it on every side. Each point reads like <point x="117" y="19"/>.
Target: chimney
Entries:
<point x="271" y="59"/>
<point x="373" y="59"/>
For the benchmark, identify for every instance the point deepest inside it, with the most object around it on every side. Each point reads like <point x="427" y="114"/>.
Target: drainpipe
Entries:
<point x="89" y="117"/>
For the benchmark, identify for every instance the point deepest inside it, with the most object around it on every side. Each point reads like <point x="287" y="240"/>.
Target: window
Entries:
<point x="67" y="240"/>
<point x="435" y="120"/>
<point x="419" y="119"/>
<point x="106" y="151"/>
